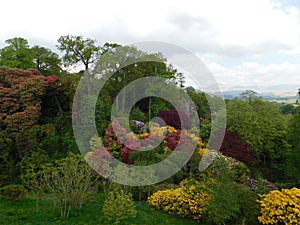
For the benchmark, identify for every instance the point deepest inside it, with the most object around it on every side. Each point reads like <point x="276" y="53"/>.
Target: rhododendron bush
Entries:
<point x="21" y="93"/>
<point x="120" y="143"/>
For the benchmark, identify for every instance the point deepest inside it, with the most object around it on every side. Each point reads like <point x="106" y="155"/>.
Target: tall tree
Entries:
<point x="17" y="54"/>
<point x="79" y="50"/>
<point x="294" y="140"/>
<point x="46" y="61"/>
<point x="260" y="124"/>
<point x="130" y="64"/>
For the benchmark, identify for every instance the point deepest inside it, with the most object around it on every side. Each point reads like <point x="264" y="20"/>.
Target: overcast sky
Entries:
<point x="245" y="43"/>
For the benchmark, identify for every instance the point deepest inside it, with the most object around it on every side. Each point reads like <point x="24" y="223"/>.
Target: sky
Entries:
<point x="246" y="44"/>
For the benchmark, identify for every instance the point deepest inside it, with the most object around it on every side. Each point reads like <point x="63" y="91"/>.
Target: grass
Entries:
<point x="24" y="212"/>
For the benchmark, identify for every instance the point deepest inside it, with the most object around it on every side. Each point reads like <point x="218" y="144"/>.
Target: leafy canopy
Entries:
<point x="17" y="54"/>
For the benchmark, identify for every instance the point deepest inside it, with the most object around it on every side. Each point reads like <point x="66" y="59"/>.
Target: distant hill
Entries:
<point x="267" y="95"/>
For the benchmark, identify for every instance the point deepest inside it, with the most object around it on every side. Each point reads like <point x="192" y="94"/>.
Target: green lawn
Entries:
<point x="25" y="212"/>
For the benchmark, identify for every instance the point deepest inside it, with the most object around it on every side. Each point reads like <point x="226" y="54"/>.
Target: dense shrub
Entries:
<point x="172" y="118"/>
<point x="137" y="114"/>
<point x="225" y="205"/>
<point x="12" y="192"/>
<point x="240" y="172"/>
<point x="173" y="139"/>
<point x="249" y="207"/>
<point x="67" y="181"/>
<point x="112" y="142"/>
<point x="185" y="201"/>
<point x="280" y="207"/>
<point x="118" y="206"/>
<point x="234" y="147"/>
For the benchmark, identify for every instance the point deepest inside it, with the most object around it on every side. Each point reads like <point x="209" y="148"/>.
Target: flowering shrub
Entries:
<point x="201" y="147"/>
<point x="161" y="139"/>
<point x="173" y="139"/>
<point x="172" y="118"/>
<point x="142" y="136"/>
<point x="185" y="201"/>
<point x="97" y="157"/>
<point x="51" y="79"/>
<point x="138" y="127"/>
<point x="131" y="145"/>
<point x="161" y="131"/>
<point x="111" y="141"/>
<point x="280" y="207"/>
<point x="21" y="96"/>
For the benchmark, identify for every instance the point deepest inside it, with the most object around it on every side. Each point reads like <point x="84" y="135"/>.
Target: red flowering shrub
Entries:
<point x="111" y="141"/>
<point x="173" y="139"/>
<point x="131" y="145"/>
<point x="172" y="118"/>
<point x="98" y="158"/>
<point x="21" y="97"/>
<point x="234" y="147"/>
<point x="51" y="79"/>
<point x="125" y="155"/>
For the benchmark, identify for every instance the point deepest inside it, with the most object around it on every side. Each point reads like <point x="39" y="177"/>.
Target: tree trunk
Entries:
<point x="88" y="79"/>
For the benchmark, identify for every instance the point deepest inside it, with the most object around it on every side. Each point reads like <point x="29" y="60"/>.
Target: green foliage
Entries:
<point x="102" y="113"/>
<point x="146" y="65"/>
<point x="46" y="61"/>
<point x="288" y="109"/>
<point x="78" y="49"/>
<point x="240" y="172"/>
<point x="31" y="168"/>
<point x="67" y="182"/>
<point x="224" y="205"/>
<point x="199" y="100"/>
<point x="249" y="209"/>
<point x="294" y="140"/>
<point x="17" y="54"/>
<point x="95" y="143"/>
<point x="137" y="114"/>
<point x="12" y="192"/>
<point x="118" y="206"/>
<point x="260" y="124"/>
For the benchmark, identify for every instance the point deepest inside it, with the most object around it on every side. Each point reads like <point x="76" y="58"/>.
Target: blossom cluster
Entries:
<point x="280" y="207"/>
<point x="185" y="201"/>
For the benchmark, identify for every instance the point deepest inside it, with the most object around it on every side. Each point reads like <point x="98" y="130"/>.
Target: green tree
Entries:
<point x="17" y="54"/>
<point x="130" y="64"/>
<point x="199" y="99"/>
<point x="79" y="50"/>
<point x="294" y="140"/>
<point x="261" y="124"/>
<point x="46" y="61"/>
<point x="248" y="96"/>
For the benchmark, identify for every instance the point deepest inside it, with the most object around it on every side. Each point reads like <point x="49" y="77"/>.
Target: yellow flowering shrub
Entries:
<point x="160" y="131"/>
<point x="142" y="135"/>
<point x="201" y="147"/>
<point x="280" y="207"/>
<point x="183" y="201"/>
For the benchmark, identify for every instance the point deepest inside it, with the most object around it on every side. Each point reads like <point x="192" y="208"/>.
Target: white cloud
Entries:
<point x="284" y="77"/>
<point x="231" y="29"/>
